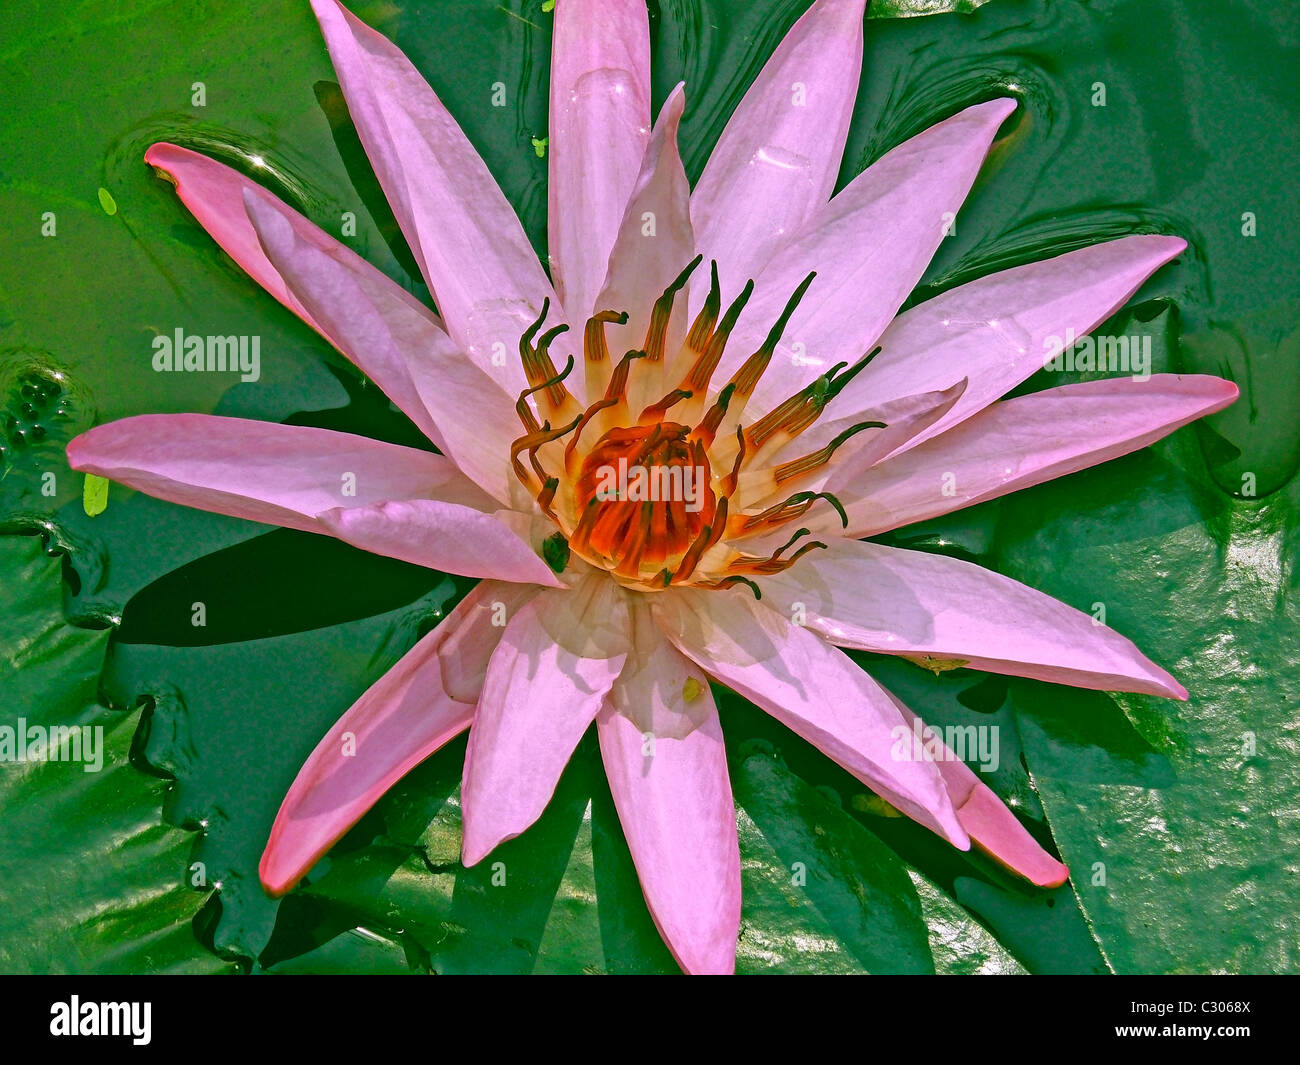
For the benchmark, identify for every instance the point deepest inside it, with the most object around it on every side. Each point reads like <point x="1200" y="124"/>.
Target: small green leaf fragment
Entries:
<point x="555" y="549"/>
<point x="107" y="202"/>
<point x="935" y="664"/>
<point x="867" y="803"/>
<point x="94" y="496"/>
<point x="548" y="5"/>
<point x="539" y="146"/>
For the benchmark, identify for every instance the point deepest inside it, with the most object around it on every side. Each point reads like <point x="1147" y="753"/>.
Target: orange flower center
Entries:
<point x="651" y="496"/>
<point x="655" y="501"/>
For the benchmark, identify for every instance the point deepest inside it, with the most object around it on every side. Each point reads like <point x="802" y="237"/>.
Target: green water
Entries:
<point x="1199" y="128"/>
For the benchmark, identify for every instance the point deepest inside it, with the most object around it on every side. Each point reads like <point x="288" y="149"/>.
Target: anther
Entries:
<point x="593" y="337"/>
<point x="662" y="312"/>
<point x="655" y="412"/>
<point x="702" y="328"/>
<point x="800" y="466"/>
<point x="747" y="377"/>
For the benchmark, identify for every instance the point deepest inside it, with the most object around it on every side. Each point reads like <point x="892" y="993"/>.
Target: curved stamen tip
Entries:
<point x="809" y="497"/>
<point x="853" y="431"/>
<point x="790" y="543"/>
<point x="821" y="388"/>
<point x="730" y="582"/>
<point x="568" y="369"/>
<point x="550" y="383"/>
<point x="550" y="335"/>
<point x="774" y="334"/>
<point x="685" y="275"/>
<point x="531" y="331"/>
<point x="839" y="507"/>
<point x="837" y="384"/>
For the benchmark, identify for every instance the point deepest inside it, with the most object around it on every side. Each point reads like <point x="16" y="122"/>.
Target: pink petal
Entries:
<point x="277" y="474"/>
<point x="674" y="801"/>
<point x="412" y="710"/>
<point x="777" y="160"/>
<point x="903" y="419"/>
<point x="994" y="829"/>
<point x="643" y="263"/>
<point x="1021" y="442"/>
<point x="869" y="246"/>
<point x="465" y="412"/>
<point x="444" y="536"/>
<point x="991" y="826"/>
<point x="473" y="253"/>
<point x="660" y="691"/>
<point x="996" y="331"/>
<point x="877" y="598"/>
<point x="215" y="193"/>
<point x="810" y="687"/>
<point x="558" y="658"/>
<point x="600" y="125"/>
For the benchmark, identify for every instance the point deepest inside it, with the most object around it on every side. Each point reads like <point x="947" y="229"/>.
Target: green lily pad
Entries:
<point x="1178" y="819"/>
<point x="820" y="891"/>
<point x="823" y="894"/>
<point x="91" y="881"/>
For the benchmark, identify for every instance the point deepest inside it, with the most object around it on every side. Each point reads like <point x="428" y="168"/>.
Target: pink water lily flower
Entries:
<point x="675" y="490"/>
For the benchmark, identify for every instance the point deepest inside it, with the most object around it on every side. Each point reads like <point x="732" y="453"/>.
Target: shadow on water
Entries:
<point x="270" y="586"/>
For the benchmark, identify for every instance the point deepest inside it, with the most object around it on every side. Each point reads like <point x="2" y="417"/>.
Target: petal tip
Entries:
<point x="1003" y="107"/>
<point x="91" y="451"/>
<point x="1174" y="243"/>
<point x="169" y="160"/>
<point x="74" y="452"/>
<point x="471" y="853"/>
<point x="276" y="882"/>
<point x="550" y="579"/>
<point x="255" y="204"/>
<point x="1213" y="393"/>
<point x="1163" y="684"/>
<point x="1053" y="878"/>
<point x="1000" y="835"/>
<point x="1161" y="247"/>
<point x="950" y="828"/>
<point x="1229" y="392"/>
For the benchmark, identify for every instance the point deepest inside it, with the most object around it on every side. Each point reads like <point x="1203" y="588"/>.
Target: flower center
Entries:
<point x="659" y="501"/>
<point x="649" y="491"/>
